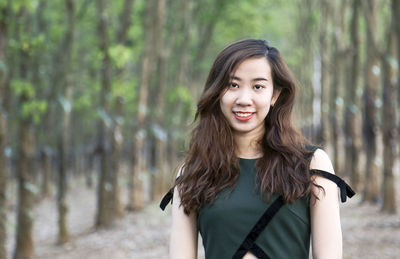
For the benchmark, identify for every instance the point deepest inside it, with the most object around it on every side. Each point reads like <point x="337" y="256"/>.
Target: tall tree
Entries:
<point x="396" y="13"/>
<point x="159" y="129"/>
<point x="24" y="244"/>
<point x="139" y="165"/>
<point x="182" y="54"/>
<point x="305" y="34"/>
<point x="64" y="137"/>
<point x="3" y="129"/>
<point x="352" y="118"/>
<point x="116" y="149"/>
<point x="105" y="216"/>
<point x="117" y="140"/>
<point x="325" y="6"/>
<point x="45" y="157"/>
<point x="372" y="71"/>
<point x="40" y="79"/>
<point x="117" y="136"/>
<point x="125" y="21"/>
<point x="206" y="31"/>
<point x="388" y="114"/>
<point x="337" y="81"/>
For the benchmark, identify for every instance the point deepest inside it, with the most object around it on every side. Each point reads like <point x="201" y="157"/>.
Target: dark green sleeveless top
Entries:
<point x="225" y="224"/>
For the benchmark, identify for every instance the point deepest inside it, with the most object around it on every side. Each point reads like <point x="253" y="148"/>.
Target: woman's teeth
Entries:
<point x="241" y="114"/>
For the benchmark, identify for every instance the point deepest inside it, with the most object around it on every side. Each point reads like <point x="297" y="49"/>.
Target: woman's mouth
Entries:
<point x="243" y="116"/>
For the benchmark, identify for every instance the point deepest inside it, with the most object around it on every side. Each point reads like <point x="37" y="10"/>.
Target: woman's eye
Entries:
<point x="234" y="85"/>
<point x="257" y="87"/>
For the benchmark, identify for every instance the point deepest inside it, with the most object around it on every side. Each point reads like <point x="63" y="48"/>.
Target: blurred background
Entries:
<point x="97" y="99"/>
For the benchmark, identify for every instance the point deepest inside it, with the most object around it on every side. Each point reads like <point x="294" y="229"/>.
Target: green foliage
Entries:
<point x="34" y="109"/>
<point x="120" y="55"/>
<point x="83" y="102"/>
<point x="182" y="94"/>
<point x="23" y="88"/>
<point x="17" y="5"/>
<point x="30" y="107"/>
<point x="242" y="20"/>
<point x="125" y="88"/>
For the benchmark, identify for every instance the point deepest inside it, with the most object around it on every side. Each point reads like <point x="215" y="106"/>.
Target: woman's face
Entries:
<point x="246" y="102"/>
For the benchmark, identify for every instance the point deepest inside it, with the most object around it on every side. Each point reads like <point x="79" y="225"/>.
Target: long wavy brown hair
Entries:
<point x="211" y="164"/>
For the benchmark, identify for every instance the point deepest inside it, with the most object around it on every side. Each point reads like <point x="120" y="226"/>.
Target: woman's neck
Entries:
<point x="247" y="146"/>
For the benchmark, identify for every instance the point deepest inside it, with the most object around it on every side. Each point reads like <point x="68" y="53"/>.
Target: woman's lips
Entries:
<point x="243" y="116"/>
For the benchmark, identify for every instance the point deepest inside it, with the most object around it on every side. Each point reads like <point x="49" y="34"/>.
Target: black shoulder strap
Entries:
<point x="345" y="189"/>
<point x="168" y="196"/>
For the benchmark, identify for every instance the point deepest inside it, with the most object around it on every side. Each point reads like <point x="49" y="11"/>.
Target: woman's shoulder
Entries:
<point x="321" y="161"/>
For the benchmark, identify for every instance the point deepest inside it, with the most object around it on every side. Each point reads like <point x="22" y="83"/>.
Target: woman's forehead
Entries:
<point x="253" y="68"/>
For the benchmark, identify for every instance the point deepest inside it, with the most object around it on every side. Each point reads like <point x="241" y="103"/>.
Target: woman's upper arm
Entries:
<point x="183" y="243"/>
<point x="325" y="217"/>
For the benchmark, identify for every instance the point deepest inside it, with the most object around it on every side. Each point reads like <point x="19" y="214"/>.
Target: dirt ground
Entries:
<point x="367" y="233"/>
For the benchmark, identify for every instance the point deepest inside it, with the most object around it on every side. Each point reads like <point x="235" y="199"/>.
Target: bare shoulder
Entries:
<point x="321" y="161"/>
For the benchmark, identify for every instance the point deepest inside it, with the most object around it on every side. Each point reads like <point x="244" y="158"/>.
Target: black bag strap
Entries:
<point x="248" y="243"/>
<point x="345" y="189"/>
<point x="168" y="197"/>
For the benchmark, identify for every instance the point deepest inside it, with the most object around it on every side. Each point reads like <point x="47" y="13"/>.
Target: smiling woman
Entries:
<point x="251" y="184"/>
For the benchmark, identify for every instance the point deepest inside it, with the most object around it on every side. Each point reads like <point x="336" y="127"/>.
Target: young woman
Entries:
<point x="251" y="184"/>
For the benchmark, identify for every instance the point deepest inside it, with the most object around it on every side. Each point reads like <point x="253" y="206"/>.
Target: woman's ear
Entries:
<point x="275" y="96"/>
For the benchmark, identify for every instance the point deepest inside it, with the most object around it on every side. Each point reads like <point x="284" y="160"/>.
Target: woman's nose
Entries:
<point x="244" y="98"/>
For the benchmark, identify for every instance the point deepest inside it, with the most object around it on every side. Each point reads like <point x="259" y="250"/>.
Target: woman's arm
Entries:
<point x="183" y="242"/>
<point x="325" y="218"/>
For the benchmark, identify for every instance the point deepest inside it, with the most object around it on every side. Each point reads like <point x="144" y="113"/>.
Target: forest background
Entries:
<point x="97" y="99"/>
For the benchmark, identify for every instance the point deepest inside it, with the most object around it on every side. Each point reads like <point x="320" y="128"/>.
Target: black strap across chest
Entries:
<point x="248" y="244"/>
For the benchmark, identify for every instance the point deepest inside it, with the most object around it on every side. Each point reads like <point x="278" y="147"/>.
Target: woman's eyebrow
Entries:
<point x="254" y="79"/>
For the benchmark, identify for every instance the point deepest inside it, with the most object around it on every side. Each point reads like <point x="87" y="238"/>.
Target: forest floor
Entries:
<point x="367" y="233"/>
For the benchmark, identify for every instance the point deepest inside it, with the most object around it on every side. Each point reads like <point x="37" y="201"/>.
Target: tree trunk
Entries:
<point x="26" y="188"/>
<point x="105" y="215"/>
<point x="388" y="113"/>
<point x="305" y="28"/>
<point x="62" y="184"/>
<point x="325" y="73"/>
<point x="396" y="13"/>
<point x="352" y="103"/>
<point x="337" y="84"/>
<point x="3" y="133"/>
<point x="159" y="126"/>
<point x="125" y="22"/>
<point x="206" y="33"/>
<point x="24" y="243"/>
<point x="117" y="141"/>
<point x="372" y="71"/>
<point x="183" y="71"/>
<point x="116" y="135"/>
<point x="136" y="195"/>
<point x="3" y="184"/>
<point x="64" y="137"/>
<point x="46" y="169"/>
